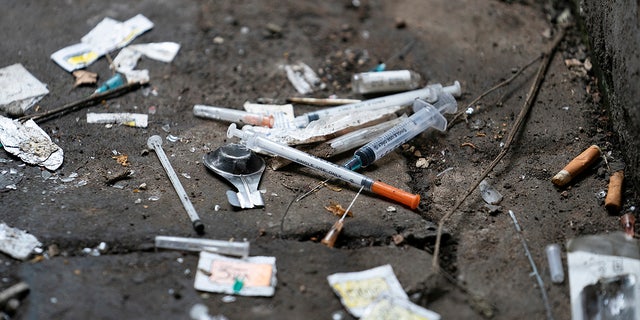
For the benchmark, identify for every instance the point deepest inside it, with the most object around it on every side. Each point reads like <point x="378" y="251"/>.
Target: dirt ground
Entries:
<point x="229" y="54"/>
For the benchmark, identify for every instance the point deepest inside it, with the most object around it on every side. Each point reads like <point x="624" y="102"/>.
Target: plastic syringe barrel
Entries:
<point x="430" y="93"/>
<point x="232" y="115"/>
<point x="426" y="116"/>
<point x="258" y="143"/>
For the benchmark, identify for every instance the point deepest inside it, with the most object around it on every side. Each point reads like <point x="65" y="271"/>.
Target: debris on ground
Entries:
<point x="17" y="243"/>
<point x="137" y="120"/>
<point x="253" y="276"/>
<point x="84" y="77"/>
<point x="30" y="143"/>
<point x="19" y="89"/>
<point x="303" y="78"/>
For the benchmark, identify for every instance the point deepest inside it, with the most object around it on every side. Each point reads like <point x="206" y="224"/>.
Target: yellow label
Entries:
<point x="384" y="310"/>
<point x="361" y="293"/>
<point x="83" y="58"/>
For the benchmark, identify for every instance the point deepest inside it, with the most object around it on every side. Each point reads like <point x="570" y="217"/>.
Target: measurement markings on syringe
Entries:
<point x="333" y="173"/>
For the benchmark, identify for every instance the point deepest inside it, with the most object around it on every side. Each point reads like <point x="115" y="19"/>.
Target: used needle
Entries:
<point x="330" y="239"/>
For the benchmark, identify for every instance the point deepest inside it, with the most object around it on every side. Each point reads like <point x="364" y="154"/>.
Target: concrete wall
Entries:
<point x="613" y="28"/>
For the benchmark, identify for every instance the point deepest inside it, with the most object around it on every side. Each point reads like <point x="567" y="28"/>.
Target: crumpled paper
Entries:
<point x="30" y="143"/>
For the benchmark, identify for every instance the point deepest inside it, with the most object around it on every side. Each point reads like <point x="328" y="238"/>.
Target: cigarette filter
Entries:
<point x="613" y="201"/>
<point x="576" y="166"/>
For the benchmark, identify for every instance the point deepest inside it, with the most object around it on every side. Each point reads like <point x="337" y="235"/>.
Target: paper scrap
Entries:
<point x="303" y="78"/>
<point x="357" y="290"/>
<point x="125" y="62"/>
<point x="84" y="77"/>
<point x="17" y="243"/>
<point x="105" y="37"/>
<point x="392" y="308"/>
<point x="30" y="143"/>
<point x="138" y="120"/>
<point x="218" y="273"/>
<point x="19" y="88"/>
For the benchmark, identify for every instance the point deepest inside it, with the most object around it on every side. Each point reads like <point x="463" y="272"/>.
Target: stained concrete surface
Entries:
<point x="479" y="43"/>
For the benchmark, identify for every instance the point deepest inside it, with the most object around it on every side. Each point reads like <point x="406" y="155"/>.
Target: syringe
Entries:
<point x="429" y="93"/>
<point x="232" y="115"/>
<point x="259" y="143"/>
<point x="426" y="115"/>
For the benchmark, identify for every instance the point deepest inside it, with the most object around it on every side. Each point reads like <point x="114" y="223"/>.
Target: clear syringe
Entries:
<point x="232" y="115"/>
<point x="259" y="143"/>
<point x="425" y="116"/>
<point x="238" y="249"/>
<point x="429" y="93"/>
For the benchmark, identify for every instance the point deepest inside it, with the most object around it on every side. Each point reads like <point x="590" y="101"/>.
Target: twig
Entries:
<point x="545" y="299"/>
<point x="494" y="88"/>
<point x="514" y="130"/>
<point x="86" y="102"/>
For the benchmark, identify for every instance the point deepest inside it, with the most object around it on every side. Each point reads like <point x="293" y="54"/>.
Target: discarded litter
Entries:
<point x="282" y="113"/>
<point x="360" y="137"/>
<point x="256" y="142"/>
<point x="303" y="78"/>
<point x="155" y="143"/>
<point x="112" y="83"/>
<point x="426" y="116"/>
<point x="429" y="93"/>
<point x="138" y="120"/>
<point x="628" y="223"/>
<point x="238" y="249"/>
<point x="108" y="35"/>
<point x="200" y="311"/>
<point x="19" y="89"/>
<point x="385" y="81"/>
<point x="242" y="168"/>
<point x="555" y="263"/>
<point x="613" y="201"/>
<point x="84" y="77"/>
<point x="489" y="194"/>
<point x="126" y="61"/>
<point x="321" y="101"/>
<point x="17" y="243"/>
<point x="9" y="179"/>
<point x="603" y="275"/>
<point x="577" y="165"/>
<point x="253" y="276"/>
<point x="392" y="308"/>
<point x="232" y="115"/>
<point x="329" y="240"/>
<point x="30" y="143"/>
<point x="357" y="290"/>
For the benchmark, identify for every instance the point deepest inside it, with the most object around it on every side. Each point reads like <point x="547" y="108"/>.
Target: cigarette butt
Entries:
<point x="613" y="201"/>
<point x="628" y="222"/>
<point x="577" y="165"/>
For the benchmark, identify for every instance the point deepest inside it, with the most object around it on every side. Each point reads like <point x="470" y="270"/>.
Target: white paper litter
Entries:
<point x="217" y="273"/>
<point x="107" y="36"/>
<point x="125" y="62"/>
<point x="357" y="290"/>
<point x="30" y="143"/>
<point x="17" y="243"/>
<point x="19" y="88"/>
<point x="393" y="308"/>
<point x="303" y="78"/>
<point x="139" y="120"/>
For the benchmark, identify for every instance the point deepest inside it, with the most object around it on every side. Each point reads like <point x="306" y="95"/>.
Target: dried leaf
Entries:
<point x="122" y="159"/>
<point x="397" y="239"/>
<point x="332" y="187"/>
<point x="337" y="209"/>
<point x="84" y="77"/>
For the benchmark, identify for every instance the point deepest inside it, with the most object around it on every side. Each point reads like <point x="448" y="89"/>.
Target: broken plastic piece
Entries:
<point x="429" y="93"/>
<point x="577" y="165"/>
<point x="113" y="82"/>
<point x="139" y="120"/>
<point x="426" y="116"/>
<point x="489" y="194"/>
<point x="155" y="143"/>
<point x="256" y="142"/>
<point x="17" y="243"/>
<point x="303" y="78"/>
<point x="385" y="81"/>
<point x="238" y="249"/>
<point x="217" y="273"/>
<point x="613" y="201"/>
<point x="19" y="89"/>
<point x="555" y="263"/>
<point x="232" y="115"/>
<point x="242" y="168"/>
<point x="357" y="290"/>
<point x="30" y="143"/>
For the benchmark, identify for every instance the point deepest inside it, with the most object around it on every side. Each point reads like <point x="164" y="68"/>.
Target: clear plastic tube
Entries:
<point x="426" y="116"/>
<point x="232" y="115"/>
<point x="429" y="93"/>
<point x="238" y="249"/>
<point x="259" y="143"/>
<point x="385" y="81"/>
